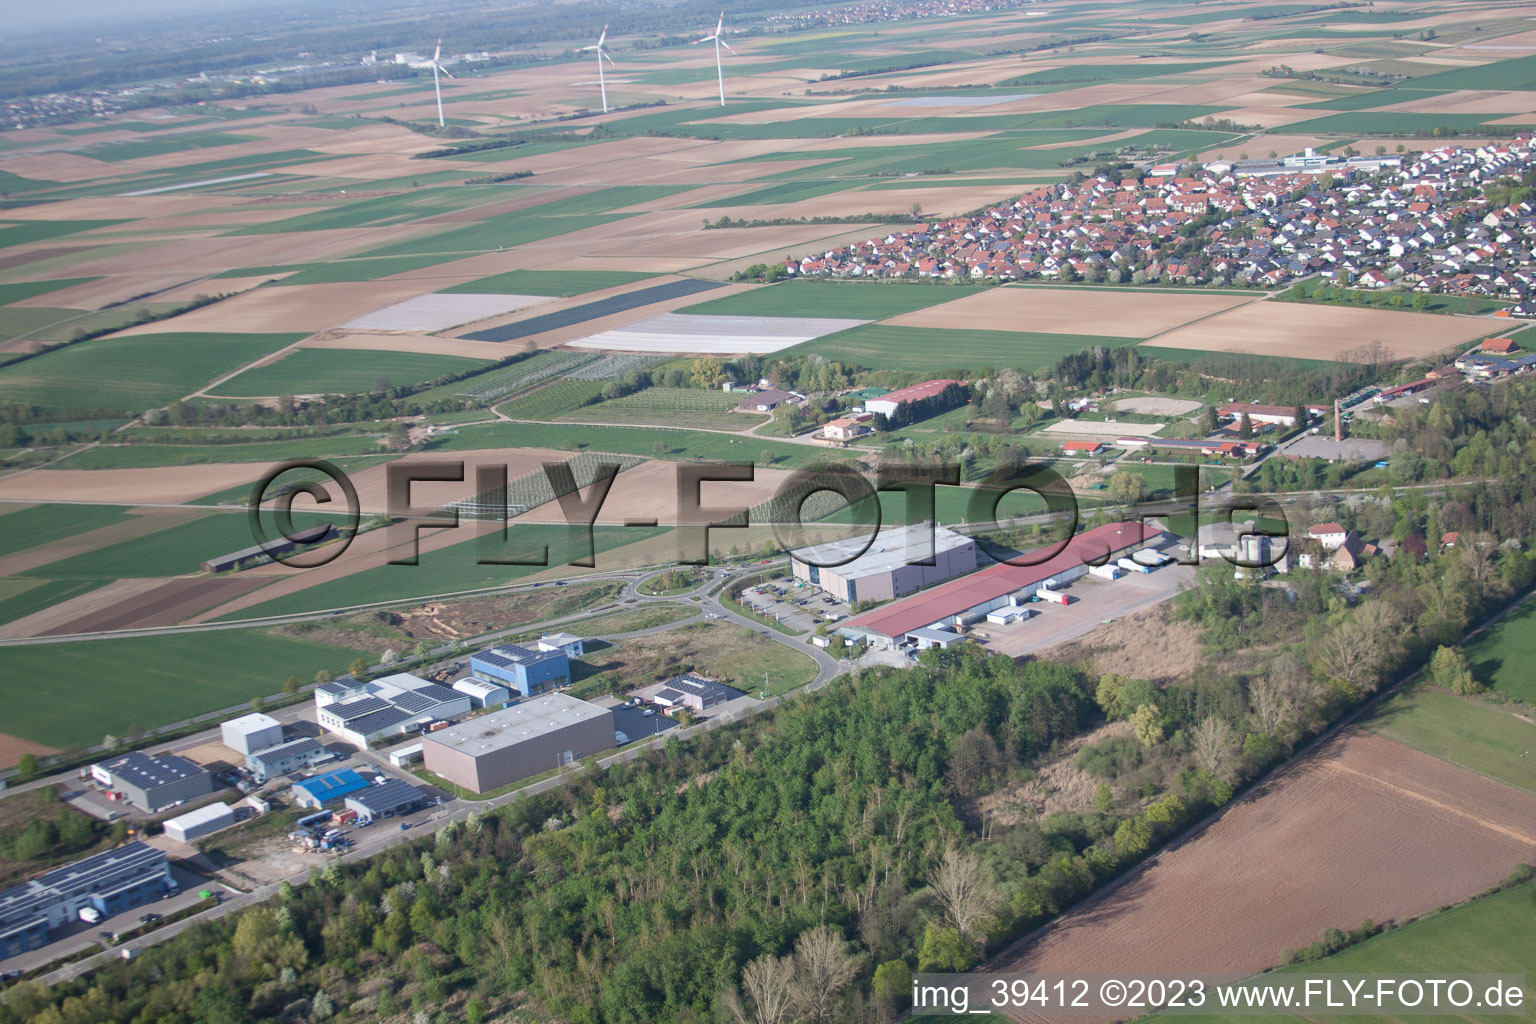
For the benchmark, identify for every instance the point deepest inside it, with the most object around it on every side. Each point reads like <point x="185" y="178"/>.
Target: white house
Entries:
<point x="1330" y="535"/>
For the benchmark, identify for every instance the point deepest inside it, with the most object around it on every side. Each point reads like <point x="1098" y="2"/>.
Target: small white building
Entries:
<point x="484" y="694"/>
<point x="250" y="733"/>
<point x="1330" y="535"/>
<point x="567" y="642"/>
<point x="204" y="821"/>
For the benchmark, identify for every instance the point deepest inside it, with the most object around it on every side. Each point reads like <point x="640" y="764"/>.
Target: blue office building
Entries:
<point x="518" y="668"/>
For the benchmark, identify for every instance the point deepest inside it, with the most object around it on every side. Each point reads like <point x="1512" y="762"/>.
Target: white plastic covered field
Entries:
<point x="720" y="335"/>
<point x="438" y="312"/>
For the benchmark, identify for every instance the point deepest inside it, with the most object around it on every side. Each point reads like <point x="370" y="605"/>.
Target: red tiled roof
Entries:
<point x="929" y="606"/>
<point x="918" y="392"/>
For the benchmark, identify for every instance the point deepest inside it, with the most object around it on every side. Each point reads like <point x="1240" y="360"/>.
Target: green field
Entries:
<point x="31" y="527"/>
<point x="132" y="373"/>
<point x="1495" y="934"/>
<point x="171" y="678"/>
<point x="28" y="289"/>
<point x="784" y="192"/>
<point x="1502" y="656"/>
<point x="849" y="300"/>
<point x="556" y="283"/>
<point x="161" y="145"/>
<point x="22" y="232"/>
<point x="330" y="371"/>
<point x="1484" y="738"/>
<point x="934" y="351"/>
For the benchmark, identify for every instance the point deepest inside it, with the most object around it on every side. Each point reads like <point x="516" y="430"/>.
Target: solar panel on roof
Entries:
<point x="357" y="708"/>
<point x="413" y="702"/>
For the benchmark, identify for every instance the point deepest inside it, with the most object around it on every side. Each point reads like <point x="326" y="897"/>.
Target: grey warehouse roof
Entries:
<point x="388" y="796"/>
<point x="513" y="725"/>
<point x="890" y="550"/>
<point x="149" y="772"/>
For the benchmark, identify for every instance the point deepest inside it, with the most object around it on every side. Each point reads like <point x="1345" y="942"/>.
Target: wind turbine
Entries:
<point x="719" y="42"/>
<point x="437" y="84"/>
<point x="602" y="55"/>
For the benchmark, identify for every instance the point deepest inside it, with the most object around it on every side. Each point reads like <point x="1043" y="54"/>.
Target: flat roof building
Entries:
<point x="890" y="567"/>
<point x="527" y="671"/>
<point x="111" y="882"/>
<point x="275" y="548"/>
<point x="387" y="799"/>
<point x="525" y="739"/>
<point x="286" y="758"/>
<point x="328" y="788"/>
<point x="250" y="733"/>
<point x="153" y="783"/>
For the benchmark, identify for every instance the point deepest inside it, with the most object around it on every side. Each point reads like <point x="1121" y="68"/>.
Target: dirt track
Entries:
<point x="1364" y="827"/>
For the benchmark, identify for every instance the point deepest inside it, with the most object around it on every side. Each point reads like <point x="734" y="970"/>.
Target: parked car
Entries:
<point x="149" y="918"/>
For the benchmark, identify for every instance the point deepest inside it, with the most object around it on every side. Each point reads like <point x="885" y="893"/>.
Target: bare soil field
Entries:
<point x="282" y="308"/>
<point x="1362" y="828"/>
<point x="1469" y="101"/>
<point x="145" y="521"/>
<point x="1153" y="406"/>
<point x="171" y="602"/>
<point x="168" y="485"/>
<point x="649" y="491"/>
<point x="1260" y="148"/>
<point x="105" y="599"/>
<point x="1069" y="311"/>
<point x="12" y="747"/>
<point x="1103" y="428"/>
<point x="1303" y="331"/>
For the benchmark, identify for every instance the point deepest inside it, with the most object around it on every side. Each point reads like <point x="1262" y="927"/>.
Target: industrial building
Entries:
<point x="251" y="733"/>
<point x="328" y="788"/>
<point x="887" y="404"/>
<point x="275" y="548"/>
<point x="528" y="672"/>
<point x="204" y="821"/>
<point x="484" y="695"/>
<point x="920" y="619"/>
<point x="516" y="742"/>
<point x="693" y="692"/>
<point x="286" y="758"/>
<point x="153" y="783"/>
<point x="110" y="882"/>
<point x="891" y="567"/>
<point x="387" y="799"/>
<point x="393" y="705"/>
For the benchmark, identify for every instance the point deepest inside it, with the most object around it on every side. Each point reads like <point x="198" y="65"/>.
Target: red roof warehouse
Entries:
<point x="995" y="582"/>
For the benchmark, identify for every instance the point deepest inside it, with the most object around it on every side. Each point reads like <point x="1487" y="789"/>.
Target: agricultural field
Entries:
<point x="133" y="373"/>
<point x="672" y="407"/>
<point x="938" y="350"/>
<point x="1433" y="834"/>
<point x="308" y="371"/>
<point x="1492" y="934"/>
<point x="1502" y="656"/>
<point x="71" y="694"/>
<point x="1480" y="736"/>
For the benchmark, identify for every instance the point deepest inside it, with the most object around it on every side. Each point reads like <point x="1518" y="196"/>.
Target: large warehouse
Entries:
<point x="153" y="783"/>
<point x="970" y="598"/>
<point x="887" y="569"/>
<point x="111" y="881"/>
<point x="516" y="742"/>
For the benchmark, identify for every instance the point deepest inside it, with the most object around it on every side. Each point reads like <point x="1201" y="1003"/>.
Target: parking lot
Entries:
<point x="1093" y="601"/>
<point x="798" y="606"/>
